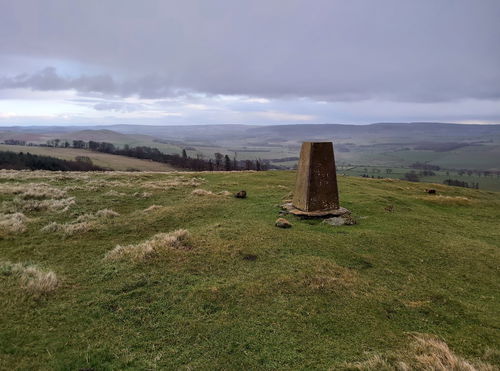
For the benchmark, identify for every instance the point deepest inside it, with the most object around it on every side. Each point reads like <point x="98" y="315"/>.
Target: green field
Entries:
<point x="240" y="293"/>
<point x="490" y="182"/>
<point x="104" y="160"/>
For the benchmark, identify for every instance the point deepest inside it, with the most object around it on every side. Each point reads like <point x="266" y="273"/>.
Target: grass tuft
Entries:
<point x="84" y="223"/>
<point x="202" y="192"/>
<point x="61" y="205"/>
<point x="150" y="248"/>
<point x="113" y="193"/>
<point x="32" y="279"/>
<point x="152" y="208"/>
<point x="33" y="191"/>
<point x="447" y="200"/>
<point x="106" y="214"/>
<point x="13" y="223"/>
<point x="425" y="352"/>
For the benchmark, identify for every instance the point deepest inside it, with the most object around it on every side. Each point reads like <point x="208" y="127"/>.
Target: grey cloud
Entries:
<point x="48" y="79"/>
<point x="117" y="107"/>
<point x="421" y="51"/>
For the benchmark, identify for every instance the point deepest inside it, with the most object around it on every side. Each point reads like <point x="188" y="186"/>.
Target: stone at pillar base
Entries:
<point x="315" y="214"/>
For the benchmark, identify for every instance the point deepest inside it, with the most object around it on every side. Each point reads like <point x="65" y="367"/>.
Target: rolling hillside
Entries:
<point x="169" y="271"/>
<point x="451" y="146"/>
<point x="105" y="160"/>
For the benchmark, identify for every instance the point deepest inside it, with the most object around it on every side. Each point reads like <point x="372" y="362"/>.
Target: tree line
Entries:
<point x="27" y="161"/>
<point x="220" y="162"/>
<point x="459" y="183"/>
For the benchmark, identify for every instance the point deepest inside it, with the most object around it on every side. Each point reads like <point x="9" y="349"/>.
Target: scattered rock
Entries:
<point x="431" y="191"/>
<point x="250" y="257"/>
<point x="348" y="219"/>
<point x="283" y="223"/>
<point x="241" y="194"/>
<point x="340" y="220"/>
<point x="335" y="221"/>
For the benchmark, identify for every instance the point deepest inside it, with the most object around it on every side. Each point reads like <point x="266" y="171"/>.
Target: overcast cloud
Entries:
<point x="260" y="61"/>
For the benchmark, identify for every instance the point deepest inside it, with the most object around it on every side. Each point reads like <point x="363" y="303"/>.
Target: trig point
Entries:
<point x="316" y="192"/>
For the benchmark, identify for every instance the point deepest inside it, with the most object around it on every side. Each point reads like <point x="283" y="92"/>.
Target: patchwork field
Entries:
<point x="127" y="270"/>
<point x="489" y="182"/>
<point x="105" y="160"/>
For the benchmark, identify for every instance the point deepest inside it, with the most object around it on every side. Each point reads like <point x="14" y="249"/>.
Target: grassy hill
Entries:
<point x="105" y="160"/>
<point x="134" y="271"/>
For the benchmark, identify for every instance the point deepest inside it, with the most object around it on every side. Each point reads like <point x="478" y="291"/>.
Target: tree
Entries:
<point x="227" y="163"/>
<point x="218" y="160"/>
<point x="235" y="162"/>
<point x="412" y="176"/>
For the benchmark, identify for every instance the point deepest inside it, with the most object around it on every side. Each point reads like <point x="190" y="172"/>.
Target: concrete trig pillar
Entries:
<point x="316" y="192"/>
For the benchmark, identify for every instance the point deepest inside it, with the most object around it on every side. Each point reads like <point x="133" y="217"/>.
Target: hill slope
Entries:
<point x="240" y="293"/>
<point x="105" y="160"/>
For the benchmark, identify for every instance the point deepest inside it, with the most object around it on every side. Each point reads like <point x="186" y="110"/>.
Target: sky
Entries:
<point x="166" y="62"/>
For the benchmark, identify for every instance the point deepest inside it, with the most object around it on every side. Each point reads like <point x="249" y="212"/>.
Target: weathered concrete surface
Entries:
<point x="316" y="187"/>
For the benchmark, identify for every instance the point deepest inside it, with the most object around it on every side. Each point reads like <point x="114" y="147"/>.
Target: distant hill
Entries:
<point x="121" y="133"/>
<point x="103" y="135"/>
<point x="451" y="146"/>
<point x="381" y="130"/>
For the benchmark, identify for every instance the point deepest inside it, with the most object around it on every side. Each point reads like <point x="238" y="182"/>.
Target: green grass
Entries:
<point x="489" y="183"/>
<point x="483" y="157"/>
<point x="315" y="296"/>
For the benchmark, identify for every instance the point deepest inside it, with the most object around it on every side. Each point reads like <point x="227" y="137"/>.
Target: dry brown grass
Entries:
<point x="426" y="353"/>
<point x="142" y="194"/>
<point x="150" y="248"/>
<point x="84" y="223"/>
<point x="324" y="275"/>
<point x="113" y="193"/>
<point x="311" y="274"/>
<point x="61" y="205"/>
<point x="69" y="229"/>
<point x="33" y="280"/>
<point x="176" y="182"/>
<point x="447" y="200"/>
<point x="32" y="190"/>
<point x="106" y="214"/>
<point x="13" y="223"/>
<point x="204" y="192"/>
<point x="152" y="208"/>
